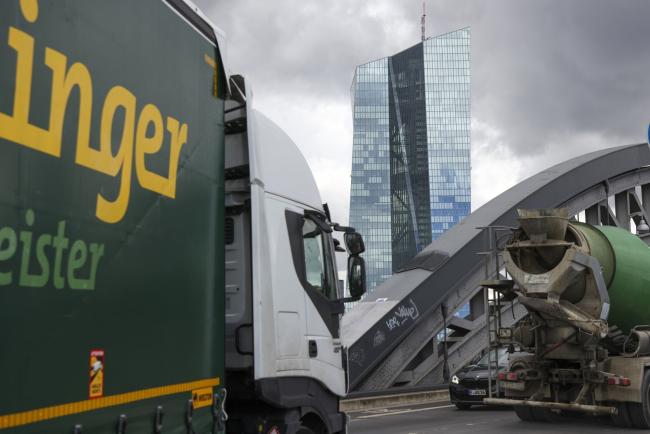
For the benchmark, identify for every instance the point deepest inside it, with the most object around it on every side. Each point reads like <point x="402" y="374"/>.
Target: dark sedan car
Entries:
<point x="470" y="385"/>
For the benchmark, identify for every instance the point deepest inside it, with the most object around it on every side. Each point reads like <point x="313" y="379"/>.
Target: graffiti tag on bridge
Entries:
<point x="379" y="338"/>
<point x="404" y="313"/>
<point x="357" y="356"/>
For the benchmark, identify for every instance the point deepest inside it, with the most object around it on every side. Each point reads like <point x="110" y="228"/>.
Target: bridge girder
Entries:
<point x="390" y="337"/>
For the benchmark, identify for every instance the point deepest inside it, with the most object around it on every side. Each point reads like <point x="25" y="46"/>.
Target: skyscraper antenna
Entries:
<point x="424" y="14"/>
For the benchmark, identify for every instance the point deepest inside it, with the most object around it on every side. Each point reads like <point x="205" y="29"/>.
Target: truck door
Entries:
<point x="322" y="308"/>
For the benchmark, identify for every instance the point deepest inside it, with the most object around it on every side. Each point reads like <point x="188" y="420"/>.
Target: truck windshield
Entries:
<point x="318" y="259"/>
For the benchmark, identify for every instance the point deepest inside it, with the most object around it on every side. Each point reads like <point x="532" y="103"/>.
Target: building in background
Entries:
<point x="411" y="149"/>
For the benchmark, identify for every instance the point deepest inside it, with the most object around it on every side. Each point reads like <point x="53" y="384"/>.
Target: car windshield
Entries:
<point x="502" y="359"/>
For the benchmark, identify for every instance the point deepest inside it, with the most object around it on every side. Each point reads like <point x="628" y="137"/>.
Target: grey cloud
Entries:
<point x="545" y="73"/>
<point x="302" y="47"/>
<point x="557" y="69"/>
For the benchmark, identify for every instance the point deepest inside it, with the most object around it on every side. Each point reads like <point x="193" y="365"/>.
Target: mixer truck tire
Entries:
<point x="622" y="419"/>
<point x="535" y="414"/>
<point x="524" y="413"/>
<point x="640" y="411"/>
<point x="547" y="415"/>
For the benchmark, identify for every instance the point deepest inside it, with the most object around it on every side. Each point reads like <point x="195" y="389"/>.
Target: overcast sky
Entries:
<point x="551" y="79"/>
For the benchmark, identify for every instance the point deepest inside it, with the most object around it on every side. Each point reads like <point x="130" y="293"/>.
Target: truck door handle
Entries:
<point x="313" y="348"/>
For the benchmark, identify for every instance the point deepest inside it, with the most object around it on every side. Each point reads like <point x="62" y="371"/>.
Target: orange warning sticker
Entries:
<point x="202" y="397"/>
<point x="96" y="386"/>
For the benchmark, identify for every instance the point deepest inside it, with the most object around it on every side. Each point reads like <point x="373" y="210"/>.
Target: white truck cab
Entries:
<point x="284" y="363"/>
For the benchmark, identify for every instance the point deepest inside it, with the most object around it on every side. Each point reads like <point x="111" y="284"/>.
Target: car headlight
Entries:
<point x="455" y="379"/>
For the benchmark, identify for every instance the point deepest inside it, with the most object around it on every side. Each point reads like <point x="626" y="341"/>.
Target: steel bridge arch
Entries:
<point x="389" y="336"/>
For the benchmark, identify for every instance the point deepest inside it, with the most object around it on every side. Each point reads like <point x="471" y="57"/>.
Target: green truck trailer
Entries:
<point x="161" y="242"/>
<point x="111" y="209"/>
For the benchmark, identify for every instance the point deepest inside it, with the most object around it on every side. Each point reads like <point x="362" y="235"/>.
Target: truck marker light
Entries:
<point x="502" y="376"/>
<point x="215" y="75"/>
<point x="512" y="376"/>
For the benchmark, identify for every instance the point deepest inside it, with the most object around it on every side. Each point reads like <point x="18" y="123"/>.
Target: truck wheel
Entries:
<point x="524" y="413"/>
<point x="312" y="424"/>
<point x="545" y="415"/>
<point x="463" y="406"/>
<point x="622" y="418"/>
<point x="640" y="412"/>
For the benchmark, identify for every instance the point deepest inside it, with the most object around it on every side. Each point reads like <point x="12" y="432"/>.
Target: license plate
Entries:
<point x="477" y="392"/>
<point x="512" y="385"/>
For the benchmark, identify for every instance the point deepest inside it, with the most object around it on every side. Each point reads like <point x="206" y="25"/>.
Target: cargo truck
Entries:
<point x="165" y="256"/>
<point x="587" y="291"/>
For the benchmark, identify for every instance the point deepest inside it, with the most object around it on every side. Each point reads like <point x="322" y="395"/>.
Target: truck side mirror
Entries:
<point x="356" y="276"/>
<point x="354" y="243"/>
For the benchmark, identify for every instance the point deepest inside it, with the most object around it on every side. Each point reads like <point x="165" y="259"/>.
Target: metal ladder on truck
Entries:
<point x="495" y="285"/>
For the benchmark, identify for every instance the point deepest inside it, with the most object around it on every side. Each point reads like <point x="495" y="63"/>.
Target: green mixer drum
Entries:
<point x="629" y="289"/>
<point x="600" y="248"/>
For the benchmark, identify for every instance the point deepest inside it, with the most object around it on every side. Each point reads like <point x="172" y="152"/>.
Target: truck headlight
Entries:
<point x="455" y="379"/>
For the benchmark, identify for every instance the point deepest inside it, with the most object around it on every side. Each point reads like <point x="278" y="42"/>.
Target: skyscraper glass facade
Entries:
<point x="370" y="191"/>
<point x="447" y="83"/>
<point x="411" y="149"/>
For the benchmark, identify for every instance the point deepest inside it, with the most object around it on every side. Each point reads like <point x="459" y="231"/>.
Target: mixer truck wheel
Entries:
<point x="640" y="412"/>
<point x="546" y="415"/>
<point x="524" y="413"/>
<point x="622" y="418"/>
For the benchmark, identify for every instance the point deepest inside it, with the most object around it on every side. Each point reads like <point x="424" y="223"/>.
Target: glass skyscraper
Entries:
<point x="411" y="149"/>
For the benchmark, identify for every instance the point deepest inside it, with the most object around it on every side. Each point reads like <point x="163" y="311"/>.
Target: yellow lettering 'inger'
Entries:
<point x="144" y="133"/>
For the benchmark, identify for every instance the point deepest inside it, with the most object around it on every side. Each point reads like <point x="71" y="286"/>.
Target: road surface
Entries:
<point x="445" y="418"/>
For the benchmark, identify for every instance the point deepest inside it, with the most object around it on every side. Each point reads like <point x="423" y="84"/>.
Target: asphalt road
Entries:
<point x="445" y="418"/>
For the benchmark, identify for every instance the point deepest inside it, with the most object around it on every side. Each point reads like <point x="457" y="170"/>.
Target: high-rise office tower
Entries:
<point x="411" y="149"/>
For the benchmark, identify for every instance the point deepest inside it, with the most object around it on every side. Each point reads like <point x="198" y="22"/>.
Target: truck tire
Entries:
<point x="546" y="415"/>
<point x="524" y="413"/>
<point x="622" y="419"/>
<point x="640" y="412"/>
<point x="536" y="414"/>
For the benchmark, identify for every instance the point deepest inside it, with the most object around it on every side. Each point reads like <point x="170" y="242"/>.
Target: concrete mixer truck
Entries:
<point x="587" y="335"/>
